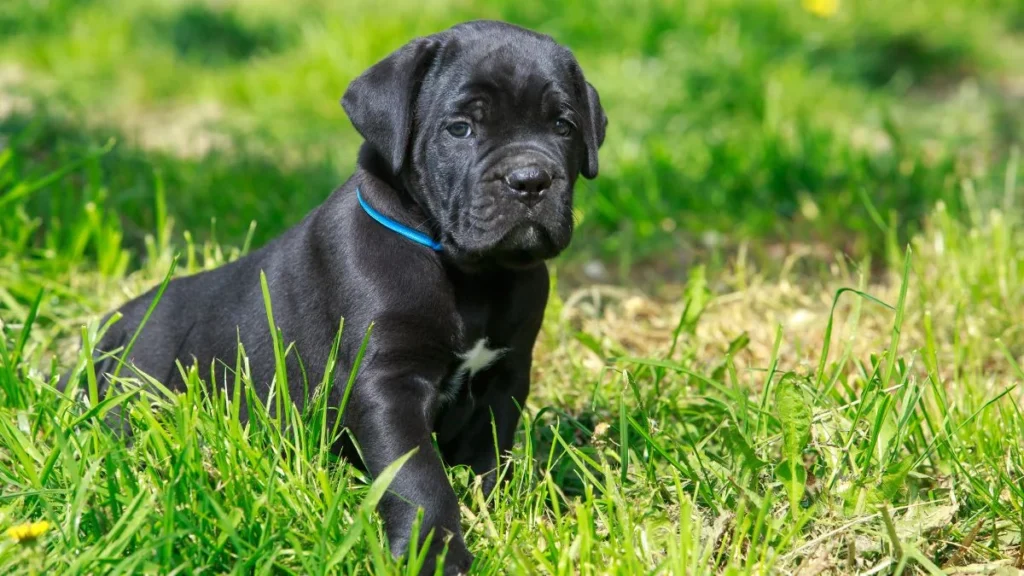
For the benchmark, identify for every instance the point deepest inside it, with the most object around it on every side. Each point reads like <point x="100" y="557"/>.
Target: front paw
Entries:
<point x="457" y="560"/>
<point x="497" y="477"/>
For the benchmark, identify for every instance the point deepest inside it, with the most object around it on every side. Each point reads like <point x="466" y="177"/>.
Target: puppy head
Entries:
<point x="488" y="125"/>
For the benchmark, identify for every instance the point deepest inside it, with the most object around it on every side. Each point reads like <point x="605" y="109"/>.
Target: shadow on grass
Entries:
<point x="218" y="195"/>
<point x="876" y="59"/>
<point x="28" y="17"/>
<point x="211" y="37"/>
<point x="754" y="192"/>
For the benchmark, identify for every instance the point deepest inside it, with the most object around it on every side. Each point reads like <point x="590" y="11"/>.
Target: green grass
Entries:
<point x="834" y="386"/>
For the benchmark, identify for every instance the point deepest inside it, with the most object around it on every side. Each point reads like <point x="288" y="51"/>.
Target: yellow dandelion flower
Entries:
<point x="821" y="8"/>
<point x="28" y="532"/>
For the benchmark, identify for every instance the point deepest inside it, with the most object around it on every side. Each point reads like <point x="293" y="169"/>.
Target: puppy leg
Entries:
<point x="389" y="419"/>
<point x="494" y="421"/>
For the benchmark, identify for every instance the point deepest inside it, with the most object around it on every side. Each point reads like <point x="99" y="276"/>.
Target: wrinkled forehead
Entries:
<point x="519" y="68"/>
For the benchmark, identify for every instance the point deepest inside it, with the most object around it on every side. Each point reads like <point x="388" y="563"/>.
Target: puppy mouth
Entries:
<point x="525" y="244"/>
<point x="525" y="236"/>
<point x="521" y="246"/>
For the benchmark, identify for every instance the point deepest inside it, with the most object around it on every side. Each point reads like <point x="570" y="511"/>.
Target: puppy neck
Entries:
<point x="394" y="203"/>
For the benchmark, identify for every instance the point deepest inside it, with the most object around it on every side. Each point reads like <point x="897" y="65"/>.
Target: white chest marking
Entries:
<point x="474" y="360"/>
<point x="479" y="357"/>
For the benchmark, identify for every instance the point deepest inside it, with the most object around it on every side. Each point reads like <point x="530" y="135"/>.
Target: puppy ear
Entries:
<point x="593" y="130"/>
<point x="380" y="101"/>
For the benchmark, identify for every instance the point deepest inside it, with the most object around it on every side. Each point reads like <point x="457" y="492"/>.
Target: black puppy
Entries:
<point x="474" y="139"/>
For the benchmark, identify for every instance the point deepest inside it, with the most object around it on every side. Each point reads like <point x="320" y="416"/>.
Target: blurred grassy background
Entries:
<point x="767" y="122"/>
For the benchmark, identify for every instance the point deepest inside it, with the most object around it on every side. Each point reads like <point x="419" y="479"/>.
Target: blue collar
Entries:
<point x="397" y="227"/>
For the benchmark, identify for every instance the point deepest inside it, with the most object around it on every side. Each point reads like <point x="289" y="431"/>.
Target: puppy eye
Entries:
<point x="563" y="127"/>
<point x="460" y="129"/>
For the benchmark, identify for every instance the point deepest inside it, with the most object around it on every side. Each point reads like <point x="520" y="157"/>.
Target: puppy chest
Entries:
<point x="481" y="356"/>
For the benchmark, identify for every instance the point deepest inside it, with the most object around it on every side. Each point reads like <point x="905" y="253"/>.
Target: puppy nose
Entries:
<point x="528" y="183"/>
